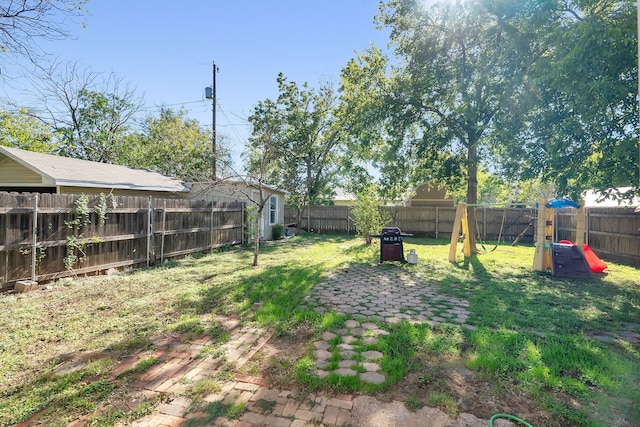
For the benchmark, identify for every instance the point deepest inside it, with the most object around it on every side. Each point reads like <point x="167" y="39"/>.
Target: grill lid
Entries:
<point x="390" y="231"/>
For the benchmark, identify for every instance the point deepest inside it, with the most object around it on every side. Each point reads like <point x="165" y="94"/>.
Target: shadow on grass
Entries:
<point x="523" y="299"/>
<point x="268" y="294"/>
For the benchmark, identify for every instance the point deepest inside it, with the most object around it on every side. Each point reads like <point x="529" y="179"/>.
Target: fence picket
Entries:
<point x="127" y="238"/>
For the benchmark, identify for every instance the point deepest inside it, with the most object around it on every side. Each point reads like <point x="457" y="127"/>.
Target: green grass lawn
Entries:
<point x="535" y="333"/>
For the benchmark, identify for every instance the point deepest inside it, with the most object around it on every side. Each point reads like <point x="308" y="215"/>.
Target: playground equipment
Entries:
<point x="564" y="259"/>
<point x="479" y="238"/>
<point x="544" y="230"/>
<point x="461" y="220"/>
<point x="596" y="265"/>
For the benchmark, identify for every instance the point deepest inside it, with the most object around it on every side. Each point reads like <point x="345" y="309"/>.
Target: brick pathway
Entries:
<point x="264" y="407"/>
<point x="180" y="367"/>
<point x="370" y="294"/>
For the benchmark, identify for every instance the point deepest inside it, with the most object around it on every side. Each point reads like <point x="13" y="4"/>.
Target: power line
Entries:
<point x="235" y="130"/>
<point x="146" y="108"/>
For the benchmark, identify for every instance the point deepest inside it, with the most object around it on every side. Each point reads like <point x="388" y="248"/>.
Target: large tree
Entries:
<point x="97" y="127"/>
<point x="428" y="114"/>
<point x="91" y="111"/>
<point x="21" y="130"/>
<point x="582" y="132"/>
<point x="174" y="145"/>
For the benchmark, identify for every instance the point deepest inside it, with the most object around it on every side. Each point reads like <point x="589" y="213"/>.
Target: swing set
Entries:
<point x="462" y="220"/>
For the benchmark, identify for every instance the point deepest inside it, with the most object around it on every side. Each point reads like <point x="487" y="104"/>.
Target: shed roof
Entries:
<point x="66" y="171"/>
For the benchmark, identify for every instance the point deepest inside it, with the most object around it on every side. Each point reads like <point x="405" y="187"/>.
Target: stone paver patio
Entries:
<point x="349" y="344"/>
<point x="387" y="295"/>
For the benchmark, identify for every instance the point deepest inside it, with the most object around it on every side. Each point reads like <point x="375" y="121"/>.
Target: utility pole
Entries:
<point x="210" y="93"/>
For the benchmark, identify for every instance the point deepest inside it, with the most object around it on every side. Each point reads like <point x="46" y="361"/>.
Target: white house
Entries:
<point x="593" y="198"/>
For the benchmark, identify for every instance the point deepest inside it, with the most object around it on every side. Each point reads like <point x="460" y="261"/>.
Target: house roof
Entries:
<point x="229" y="186"/>
<point x="66" y="171"/>
<point x="343" y="195"/>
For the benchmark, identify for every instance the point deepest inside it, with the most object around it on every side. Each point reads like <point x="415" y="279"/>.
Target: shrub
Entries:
<point x="367" y="216"/>
<point x="277" y="231"/>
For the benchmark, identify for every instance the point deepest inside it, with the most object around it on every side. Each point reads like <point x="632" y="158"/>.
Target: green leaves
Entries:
<point x="367" y="216"/>
<point x="97" y="128"/>
<point x="580" y="128"/>
<point x="20" y="130"/>
<point x="302" y="135"/>
<point x="175" y="145"/>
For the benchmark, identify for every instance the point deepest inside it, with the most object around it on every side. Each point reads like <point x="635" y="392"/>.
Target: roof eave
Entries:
<point x="70" y="183"/>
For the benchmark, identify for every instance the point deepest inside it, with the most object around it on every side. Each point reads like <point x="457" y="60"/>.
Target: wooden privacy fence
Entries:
<point x="613" y="233"/>
<point x="427" y="221"/>
<point x="72" y="235"/>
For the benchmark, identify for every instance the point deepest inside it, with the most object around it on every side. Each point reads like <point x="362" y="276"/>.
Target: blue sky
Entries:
<point x="165" y="49"/>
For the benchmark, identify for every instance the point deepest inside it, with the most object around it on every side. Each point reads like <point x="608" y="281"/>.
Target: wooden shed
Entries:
<point x="27" y="171"/>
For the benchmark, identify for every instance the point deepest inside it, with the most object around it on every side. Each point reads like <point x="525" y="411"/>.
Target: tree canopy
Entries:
<point x="173" y="144"/>
<point x="303" y="121"/>
<point x="21" y="130"/>
<point x="536" y="90"/>
<point x="96" y="127"/>
<point x="579" y="129"/>
<point x="431" y="110"/>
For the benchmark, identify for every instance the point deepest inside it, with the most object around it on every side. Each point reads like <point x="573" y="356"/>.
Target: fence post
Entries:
<point x="164" y="228"/>
<point x="484" y="222"/>
<point x="211" y="229"/>
<point x="586" y="227"/>
<point x="35" y="238"/>
<point x="244" y="213"/>
<point x="437" y="220"/>
<point x="149" y="232"/>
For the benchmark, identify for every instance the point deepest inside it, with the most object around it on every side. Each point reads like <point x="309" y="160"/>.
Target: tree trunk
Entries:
<point x="256" y="237"/>
<point x="472" y="194"/>
<point x="299" y="216"/>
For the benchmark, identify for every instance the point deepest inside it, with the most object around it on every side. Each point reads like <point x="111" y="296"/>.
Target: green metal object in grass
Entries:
<point x="508" y="417"/>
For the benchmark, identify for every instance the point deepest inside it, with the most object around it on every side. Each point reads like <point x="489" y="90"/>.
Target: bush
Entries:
<point x="367" y="216"/>
<point x="277" y="231"/>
